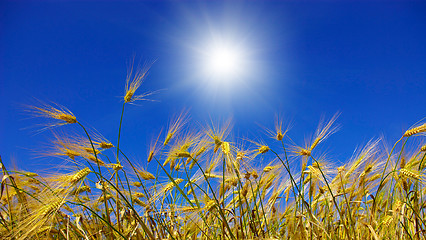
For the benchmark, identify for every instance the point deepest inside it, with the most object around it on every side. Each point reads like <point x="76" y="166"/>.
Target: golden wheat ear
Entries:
<point x="59" y="115"/>
<point x="43" y="213"/>
<point x="324" y="130"/>
<point x="415" y="130"/>
<point x="175" y="126"/>
<point x="134" y="79"/>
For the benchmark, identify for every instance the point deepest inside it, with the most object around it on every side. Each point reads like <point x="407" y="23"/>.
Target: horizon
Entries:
<point x="302" y="61"/>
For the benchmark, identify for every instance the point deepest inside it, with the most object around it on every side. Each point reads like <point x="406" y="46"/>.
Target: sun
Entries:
<point x="223" y="62"/>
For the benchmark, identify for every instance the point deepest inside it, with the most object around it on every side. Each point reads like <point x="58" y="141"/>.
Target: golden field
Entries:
<point x="201" y="185"/>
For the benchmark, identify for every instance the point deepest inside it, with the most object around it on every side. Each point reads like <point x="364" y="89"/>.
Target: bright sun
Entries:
<point x="223" y="62"/>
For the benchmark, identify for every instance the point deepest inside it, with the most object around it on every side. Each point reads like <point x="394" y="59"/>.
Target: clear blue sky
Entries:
<point x="366" y="60"/>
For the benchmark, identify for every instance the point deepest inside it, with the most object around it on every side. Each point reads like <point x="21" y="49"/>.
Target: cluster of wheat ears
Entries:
<point x="208" y="187"/>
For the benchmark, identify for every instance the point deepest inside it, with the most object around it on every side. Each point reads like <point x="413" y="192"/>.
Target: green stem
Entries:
<point x="333" y="197"/>
<point x="119" y="133"/>
<point x="97" y="215"/>
<point x="384" y="170"/>
<point x="394" y="170"/>
<point x="99" y="168"/>
<point x="129" y="205"/>
<point x="217" y="201"/>
<point x="347" y="203"/>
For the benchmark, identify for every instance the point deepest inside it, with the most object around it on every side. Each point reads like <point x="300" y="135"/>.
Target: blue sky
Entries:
<point x="303" y="60"/>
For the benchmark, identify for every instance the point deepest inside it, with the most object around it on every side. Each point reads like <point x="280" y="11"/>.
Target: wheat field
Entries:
<point x="196" y="183"/>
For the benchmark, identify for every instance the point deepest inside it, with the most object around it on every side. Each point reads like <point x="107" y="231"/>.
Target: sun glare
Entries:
<point x="223" y="62"/>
